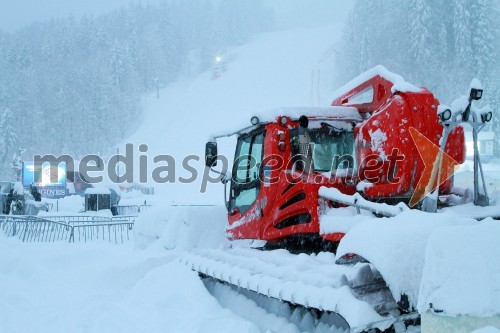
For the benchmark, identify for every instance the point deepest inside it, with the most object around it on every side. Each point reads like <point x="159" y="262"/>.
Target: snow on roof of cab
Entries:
<point x="399" y="83"/>
<point x="338" y="113"/>
<point x="97" y="190"/>
<point x="335" y="112"/>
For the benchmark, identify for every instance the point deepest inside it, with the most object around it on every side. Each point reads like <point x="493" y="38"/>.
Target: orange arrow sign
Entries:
<point x="432" y="176"/>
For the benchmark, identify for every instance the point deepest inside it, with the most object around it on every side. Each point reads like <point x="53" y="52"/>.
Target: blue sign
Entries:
<point x="44" y="175"/>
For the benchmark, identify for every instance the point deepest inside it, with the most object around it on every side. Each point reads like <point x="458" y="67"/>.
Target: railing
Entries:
<point x="74" y="219"/>
<point x="39" y="230"/>
<point x="111" y="231"/>
<point x="131" y="209"/>
<point x="67" y="228"/>
<point x="128" y="218"/>
<point x="127" y="209"/>
<point x="13" y="225"/>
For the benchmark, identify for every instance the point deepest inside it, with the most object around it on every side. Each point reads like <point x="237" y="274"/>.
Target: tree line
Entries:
<point x="74" y="85"/>
<point x="438" y="44"/>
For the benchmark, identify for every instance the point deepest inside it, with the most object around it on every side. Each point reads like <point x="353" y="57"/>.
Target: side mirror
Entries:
<point x="211" y="154"/>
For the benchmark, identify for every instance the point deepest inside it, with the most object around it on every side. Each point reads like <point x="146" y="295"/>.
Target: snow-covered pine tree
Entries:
<point x="17" y="164"/>
<point x="426" y="42"/>
<point x="9" y="136"/>
<point x="169" y="42"/>
<point x="78" y="81"/>
<point x="351" y="59"/>
<point x="364" y="55"/>
<point x="495" y="104"/>
<point x="484" y="61"/>
<point x="463" y="42"/>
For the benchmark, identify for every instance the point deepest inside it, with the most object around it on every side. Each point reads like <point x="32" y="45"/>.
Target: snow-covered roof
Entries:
<point x="97" y="190"/>
<point x="334" y="112"/>
<point x="399" y="83"/>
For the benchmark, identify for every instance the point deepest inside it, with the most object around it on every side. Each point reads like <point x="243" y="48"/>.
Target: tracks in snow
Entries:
<point x="311" y="282"/>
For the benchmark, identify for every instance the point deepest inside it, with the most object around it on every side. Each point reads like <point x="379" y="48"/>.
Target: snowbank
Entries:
<point x="476" y="212"/>
<point x="396" y="247"/>
<point x="69" y="204"/>
<point x="61" y="287"/>
<point x="181" y="227"/>
<point x="462" y="270"/>
<point x="440" y="323"/>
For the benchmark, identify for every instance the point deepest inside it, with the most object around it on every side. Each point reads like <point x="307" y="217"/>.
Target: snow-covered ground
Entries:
<point x="60" y="287"/>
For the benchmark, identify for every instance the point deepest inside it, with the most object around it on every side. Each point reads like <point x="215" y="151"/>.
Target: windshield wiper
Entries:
<point x="331" y="127"/>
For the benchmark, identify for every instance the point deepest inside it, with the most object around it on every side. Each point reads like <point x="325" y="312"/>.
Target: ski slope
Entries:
<point x="273" y="70"/>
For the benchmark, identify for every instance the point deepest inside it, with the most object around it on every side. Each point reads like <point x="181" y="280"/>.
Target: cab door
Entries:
<point x="244" y="212"/>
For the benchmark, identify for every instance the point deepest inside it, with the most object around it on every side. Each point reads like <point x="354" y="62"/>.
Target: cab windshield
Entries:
<point x="332" y="147"/>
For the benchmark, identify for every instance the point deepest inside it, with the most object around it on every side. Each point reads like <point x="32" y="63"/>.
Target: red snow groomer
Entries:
<point x="383" y="144"/>
<point x="362" y="142"/>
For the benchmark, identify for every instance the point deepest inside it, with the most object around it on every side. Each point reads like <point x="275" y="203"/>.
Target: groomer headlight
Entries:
<point x="445" y="115"/>
<point x="254" y="120"/>
<point x="486" y="117"/>
<point x="476" y="94"/>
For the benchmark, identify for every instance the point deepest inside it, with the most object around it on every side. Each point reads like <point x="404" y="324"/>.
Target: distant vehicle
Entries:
<point x="221" y="66"/>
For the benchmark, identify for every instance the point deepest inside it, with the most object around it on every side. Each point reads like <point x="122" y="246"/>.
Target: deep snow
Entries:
<point x="60" y="287"/>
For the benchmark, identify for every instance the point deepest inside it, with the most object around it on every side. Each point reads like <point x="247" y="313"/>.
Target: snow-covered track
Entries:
<point x="313" y="281"/>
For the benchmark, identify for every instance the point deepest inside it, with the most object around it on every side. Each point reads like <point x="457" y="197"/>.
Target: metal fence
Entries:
<point x="131" y="209"/>
<point x="68" y="228"/>
<point x="73" y="219"/>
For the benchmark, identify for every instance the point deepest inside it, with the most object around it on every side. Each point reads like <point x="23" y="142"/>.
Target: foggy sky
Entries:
<point x="15" y="14"/>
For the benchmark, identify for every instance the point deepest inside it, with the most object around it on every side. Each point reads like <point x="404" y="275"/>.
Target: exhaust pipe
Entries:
<point x="305" y="150"/>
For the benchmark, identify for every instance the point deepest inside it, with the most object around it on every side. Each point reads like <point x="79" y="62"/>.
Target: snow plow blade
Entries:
<point x="356" y="295"/>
